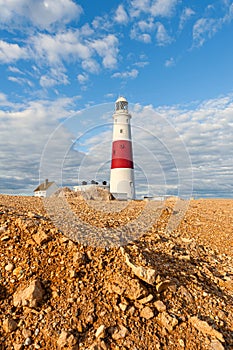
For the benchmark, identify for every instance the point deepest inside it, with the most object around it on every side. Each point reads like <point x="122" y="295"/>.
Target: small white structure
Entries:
<point x="122" y="168"/>
<point x="45" y="189"/>
<point x="86" y="187"/>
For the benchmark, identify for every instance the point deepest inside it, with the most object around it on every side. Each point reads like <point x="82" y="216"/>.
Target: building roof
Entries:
<point x="121" y="98"/>
<point x="44" y="186"/>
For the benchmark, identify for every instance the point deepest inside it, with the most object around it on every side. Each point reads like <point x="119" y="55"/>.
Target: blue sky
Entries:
<point x="63" y="64"/>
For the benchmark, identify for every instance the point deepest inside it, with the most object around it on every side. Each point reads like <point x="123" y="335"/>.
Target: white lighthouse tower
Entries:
<point x="122" y="167"/>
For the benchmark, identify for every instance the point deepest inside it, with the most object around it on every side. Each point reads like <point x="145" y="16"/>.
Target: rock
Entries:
<point x="17" y="346"/>
<point x="26" y="333"/>
<point x="40" y="237"/>
<point x="130" y="288"/>
<point x="185" y="294"/>
<point x="100" y="332"/>
<point x="122" y="306"/>
<point x="66" y="339"/>
<point x="216" y="345"/>
<point x="18" y="271"/>
<point x="9" y="325"/>
<point x="28" y="341"/>
<point x="205" y="328"/>
<point x="73" y="274"/>
<point x="5" y="238"/>
<point x="146" y="313"/>
<point x="144" y="273"/>
<point x="119" y="333"/>
<point x="62" y="340"/>
<point x="146" y="299"/>
<point x="3" y="229"/>
<point x="29" y="296"/>
<point x="160" y="306"/>
<point x="9" y="267"/>
<point x="162" y="286"/>
<point x="181" y="342"/>
<point x="167" y="321"/>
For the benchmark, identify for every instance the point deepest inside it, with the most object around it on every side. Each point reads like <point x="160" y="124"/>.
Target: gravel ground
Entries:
<point x="110" y="282"/>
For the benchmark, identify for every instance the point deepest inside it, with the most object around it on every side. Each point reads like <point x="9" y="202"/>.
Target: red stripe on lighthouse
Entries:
<point x="122" y="155"/>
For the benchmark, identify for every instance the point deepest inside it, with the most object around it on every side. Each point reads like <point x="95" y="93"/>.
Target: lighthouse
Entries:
<point x="122" y="168"/>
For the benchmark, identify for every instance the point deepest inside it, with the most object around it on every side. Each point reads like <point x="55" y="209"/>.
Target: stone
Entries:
<point x="130" y="288"/>
<point x="9" y="267"/>
<point x="216" y="345"/>
<point x="181" y="342"/>
<point x="120" y="332"/>
<point x="146" y="313"/>
<point x="3" y="229"/>
<point x="162" y="286"/>
<point x="146" y="274"/>
<point x="100" y="332"/>
<point x="17" y="346"/>
<point x="167" y="321"/>
<point x="66" y="339"/>
<point x="146" y="299"/>
<point x="30" y="296"/>
<point x="5" y="238"/>
<point x="28" y="341"/>
<point x="9" y="325"/>
<point x="185" y="294"/>
<point x="26" y="333"/>
<point x="205" y="328"/>
<point x="40" y="237"/>
<point x="122" y="306"/>
<point x="73" y="274"/>
<point x="160" y="306"/>
<point x="18" y="271"/>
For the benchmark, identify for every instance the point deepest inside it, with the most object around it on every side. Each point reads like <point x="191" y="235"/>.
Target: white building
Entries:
<point x="122" y="168"/>
<point x="87" y="187"/>
<point x="45" y="189"/>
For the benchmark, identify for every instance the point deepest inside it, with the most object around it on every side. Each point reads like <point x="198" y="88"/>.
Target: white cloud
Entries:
<point x="74" y="46"/>
<point x="107" y="48"/>
<point x="141" y="64"/>
<point x="11" y="52"/>
<point x="205" y="28"/>
<point x="15" y="70"/>
<point x="126" y="75"/>
<point x="170" y="62"/>
<point x="162" y="8"/>
<point x="103" y="23"/>
<point x="91" y="65"/>
<point x="21" y="81"/>
<point x="41" y="14"/>
<point x="144" y="37"/>
<point x="207" y="135"/>
<point x="162" y="35"/>
<point x="142" y="30"/>
<point x="23" y="135"/>
<point x="54" y="77"/>
<point x="4" y="100"/>
<point x="138" y="6"/>
<point x="82" y="78"/>
<point x="121" y="15"/>
<point x="185" y="16"/>
<point x="60" y="47"/>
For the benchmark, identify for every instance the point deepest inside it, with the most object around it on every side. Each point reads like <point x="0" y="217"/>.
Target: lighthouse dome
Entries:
<point x="121" y="104"/>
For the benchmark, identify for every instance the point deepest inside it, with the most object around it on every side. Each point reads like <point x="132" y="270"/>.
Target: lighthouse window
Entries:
<point x="121" y="131"/>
